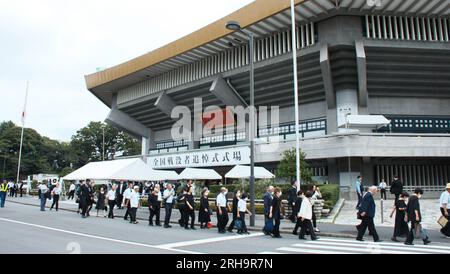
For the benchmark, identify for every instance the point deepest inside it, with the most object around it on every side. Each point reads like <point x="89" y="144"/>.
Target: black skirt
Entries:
<point x="204" y="215"/>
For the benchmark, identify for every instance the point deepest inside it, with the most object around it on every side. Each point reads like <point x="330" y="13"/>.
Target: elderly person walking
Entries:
<point x="268" y="198"/>
<point x="367" y="213"/>
<point x="306" y="215"/>
<point x="43" y="190"/>
<point x="222" y="210"/>
<point x="134" y="204"/>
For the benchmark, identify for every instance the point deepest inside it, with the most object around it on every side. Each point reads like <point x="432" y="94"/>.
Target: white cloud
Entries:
<point x="54" y="43"/>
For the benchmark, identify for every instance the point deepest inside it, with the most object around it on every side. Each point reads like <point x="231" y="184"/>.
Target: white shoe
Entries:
<point x="316" y="229"/>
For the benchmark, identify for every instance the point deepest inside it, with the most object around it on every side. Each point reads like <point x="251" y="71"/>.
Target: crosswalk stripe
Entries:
<point x="362" y="249"/>
<point x="312" y="251"/>
<point x="270" y="252"/>
<point x="383" y="243"/>
<point x="381" y="247"/>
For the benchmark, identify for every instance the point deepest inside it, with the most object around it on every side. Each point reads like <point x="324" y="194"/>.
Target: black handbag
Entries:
<point x="358" y="215"/>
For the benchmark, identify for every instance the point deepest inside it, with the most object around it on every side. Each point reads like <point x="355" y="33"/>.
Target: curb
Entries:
<point x="254" y="229"/>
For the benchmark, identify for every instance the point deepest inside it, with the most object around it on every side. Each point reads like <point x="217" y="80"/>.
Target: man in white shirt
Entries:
<point x="383" y="187"/>
<point x="222" y="210"/>
<point x="112" y="201"/>
<point x="445" y="209"/>
<point x="126" y="200"/>
<point x="134" y="204"/>
<point x="168" y="196"/>
<point x="44" y="189"/>
<point x="71" y="191"/>
<point x="242" y="210"/>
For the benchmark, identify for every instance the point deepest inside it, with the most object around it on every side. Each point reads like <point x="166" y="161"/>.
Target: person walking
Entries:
<point x="242" y="210"/>
<point x="414" y="215"/>
<point x="383" y="187"/>
<point x="91" y="199"/>
<point x="126" y="200"/>
<point x="100" y="205"/>
<point x="71" y="191"/>
<point x="85" y="198"/>
<point x="296" y="210"/>
<point x="168" y="198"/>
<point x="367" y="213"/>
<point x="21" y="188"/>
<point x="396" y="187"/>
<point x="204" y="213"/>
<point x="359" y="190"/>
<point x="275" y="212"/>
<point x="234" y="209"/>
<point x="154" y="206"/>
<point x="316" y="195"/>
<point x="292" y="197"/>
<point x="56" y="192"/>
<point x="268" y="199"/>
<point x="181" y="204"/>
<point x="43" y="194"/>
<point x="445" y="209"/>
<point x="112" y="201"/>
<point x="305" y="215"/>
<point x="401" y="228"/>
<point x="135" y="203"/>
<point x="190" y="209"/>
<point x="222" y="210"/>
<point x="119" y="193"/>
<point x="3" y="191"/>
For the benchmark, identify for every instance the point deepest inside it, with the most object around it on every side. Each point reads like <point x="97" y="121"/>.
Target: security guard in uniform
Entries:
<point x="3" y="190"/>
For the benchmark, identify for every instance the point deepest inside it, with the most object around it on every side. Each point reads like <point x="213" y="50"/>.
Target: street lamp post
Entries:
<point x="233" y="25"/>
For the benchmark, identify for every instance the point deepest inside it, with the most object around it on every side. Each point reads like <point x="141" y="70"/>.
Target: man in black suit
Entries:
<point x="119" y="194"/>
<point x="85" y="197"/>
<point x="268" y="197"/>
<point x="292" y="196"/>
<point x="367" y="213"/>
<point x="396" y="187"/>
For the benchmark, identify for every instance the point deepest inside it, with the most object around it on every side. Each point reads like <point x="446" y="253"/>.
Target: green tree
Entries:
<point x="87" y="143"/>
<point x="287" y="167"/>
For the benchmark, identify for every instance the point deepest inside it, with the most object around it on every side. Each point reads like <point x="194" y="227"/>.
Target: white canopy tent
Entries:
<point x="366" y="121"/>
<point x="242" y="172"/>
<point x="199" y="174"/>
<point x="124" y="169"/>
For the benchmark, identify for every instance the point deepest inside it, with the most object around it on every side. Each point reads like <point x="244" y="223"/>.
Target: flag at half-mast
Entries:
<point x="24" y="112"/>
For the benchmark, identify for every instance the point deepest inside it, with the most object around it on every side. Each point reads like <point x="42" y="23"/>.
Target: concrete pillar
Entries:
<point x="148" y="143"/>
<point x="367" y="171"/>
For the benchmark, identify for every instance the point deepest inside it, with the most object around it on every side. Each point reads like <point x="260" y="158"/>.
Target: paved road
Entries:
<point x="25" y="229"/>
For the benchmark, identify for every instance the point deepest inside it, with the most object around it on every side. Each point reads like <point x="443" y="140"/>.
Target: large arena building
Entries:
<point x="355" y="57"/>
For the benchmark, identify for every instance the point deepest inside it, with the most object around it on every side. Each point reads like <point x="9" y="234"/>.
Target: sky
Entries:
<point x="53" y="44"/>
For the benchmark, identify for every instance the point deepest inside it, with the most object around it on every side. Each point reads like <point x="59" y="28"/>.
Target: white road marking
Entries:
<point x="98" y="237"/>
<point x="209" y="240"/>
<point x="270" y="252"/>
<point x="298" y="250"/>
<point x="387" y="243"/>
<point x="362" y="249"/>
<point x="380" y="246"/>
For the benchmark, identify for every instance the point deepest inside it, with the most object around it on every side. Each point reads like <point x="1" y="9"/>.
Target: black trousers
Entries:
<point x="168" y="208"/>
<point x="21" y="192"/>
<point x="233" y="221"/>
<point x="222" y="219"/>
<point x="71" y="195"/>
<point x="189" y="214"/>
<point x="410" y="238"/>
<point x="293" y="215"/>
<point x="276" y="227"/>
<point x="84" y="206"/>
<point x="359" y="200"/>
<point x="154" y="213"/>
<point x="383" y="194"/>
<point x="119" y="199"/>
<point x="306" y="225"/>
<point x="242" y="218"/>
<point x="133" y="211"/>
<point x="125" y="217"/>
<point x="314" y="218"/>
<point x="298" y="225"/>
<point x="111" y="204"/>
<point x="367" y="222"/>
<point x="55" y="202"/>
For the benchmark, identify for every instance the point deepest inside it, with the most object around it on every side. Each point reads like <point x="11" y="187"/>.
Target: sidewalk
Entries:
<point x="327" y="229"/>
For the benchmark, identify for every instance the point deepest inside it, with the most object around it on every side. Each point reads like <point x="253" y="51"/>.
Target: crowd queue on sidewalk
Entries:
<point x="406" y="208"/>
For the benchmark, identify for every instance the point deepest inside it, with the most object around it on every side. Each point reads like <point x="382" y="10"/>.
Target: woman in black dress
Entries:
<point x="190" y="209"/>
<point x="401" y="227"/>
<point x="275" y="212"/>
<point x="204" y="216"/>
<point x="101" y="202"/>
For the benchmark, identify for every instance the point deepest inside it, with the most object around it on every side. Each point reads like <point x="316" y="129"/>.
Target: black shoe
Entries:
<point x="158" y="225"/>
<point x="301" y="238"/>
<point x="378" y="241"/>
<point x="266" y="233"/>
<point x="276" y="236"/>
<point x="294" y="233"/>
<point x="126" y="219"/>
<point x="315" y="239"/>
<point x="360" y="239"/>
<point x="407" y="243"/>
<point x="425" y="242"/>
<point x="193" y="228"/>
<point x="222" y="232"/>
<point x="394" y="239"/>
<point x="150" y="224"/>
<point x="167" y="226"/>
<point x="187" y="228"/>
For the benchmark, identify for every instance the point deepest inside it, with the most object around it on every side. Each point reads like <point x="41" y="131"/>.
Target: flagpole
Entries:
<point x="296" y="107"/>
<point x="21" y="135"/>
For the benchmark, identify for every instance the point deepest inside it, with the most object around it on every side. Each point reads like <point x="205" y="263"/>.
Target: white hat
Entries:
<point x="448" y="186"/>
